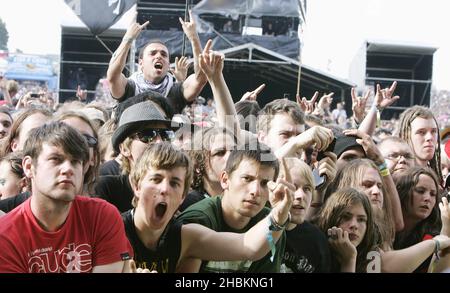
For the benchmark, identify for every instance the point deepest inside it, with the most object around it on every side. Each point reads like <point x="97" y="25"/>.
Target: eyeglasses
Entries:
<point x="396" y="156"/>
<point x="91" y="141"/>
<point x="148" y="135"/>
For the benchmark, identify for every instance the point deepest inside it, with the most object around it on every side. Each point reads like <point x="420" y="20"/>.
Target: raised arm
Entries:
<point x="359" y="106"/>
<point x="194" y="84"/>
<point x="306" y="105"/>
<point x="211" y="63"/>
<point x="181" y="68"/>
<point x="116" y="78"/>
<point x="251" y="96"/>
<point x="383" y="99"/>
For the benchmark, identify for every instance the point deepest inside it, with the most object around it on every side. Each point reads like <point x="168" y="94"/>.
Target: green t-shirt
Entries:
<point x="208" y="212"/>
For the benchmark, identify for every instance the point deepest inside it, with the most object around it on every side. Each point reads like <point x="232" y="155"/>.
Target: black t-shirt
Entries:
<point x="10" y="203"/>
<point x="165" y="258"/>
<point x="307" y="250"/>
<point x="115" y="190"/>
<point x="111" y="167"/>
<point x="175" y="97"/>
<point x="413" y="239"/>
<point x="192" y="197"/>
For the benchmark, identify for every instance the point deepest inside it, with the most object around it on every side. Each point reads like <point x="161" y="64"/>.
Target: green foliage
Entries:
<point x="4" y="36"/>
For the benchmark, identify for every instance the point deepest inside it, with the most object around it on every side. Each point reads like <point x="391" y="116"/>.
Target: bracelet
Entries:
<point x="128" y="40"/>
<point x="385" y="172"/>
<point x="437" y="248"/>
<point x="274" y="226"/>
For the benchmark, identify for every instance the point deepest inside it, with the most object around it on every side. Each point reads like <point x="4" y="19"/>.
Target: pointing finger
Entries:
<point x="144" y="25"/>
<point x="393" y="86"/>
<point x="208" y="46"/>
<point x="285" y="171"/>
<point x="314" y="98"/>
<point x="353" y="94"/>
<point x="260" y="88"/>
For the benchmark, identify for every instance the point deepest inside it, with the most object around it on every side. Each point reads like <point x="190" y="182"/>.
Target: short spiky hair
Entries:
<point x="406" y="118"/>
<point x="153" y="41"/>
<point x="257" y="152"/>
<point x="279" y="106"/>
<point x="60" y="135"/>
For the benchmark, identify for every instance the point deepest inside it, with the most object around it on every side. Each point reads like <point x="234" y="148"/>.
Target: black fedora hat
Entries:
<point x="137" y="117"/>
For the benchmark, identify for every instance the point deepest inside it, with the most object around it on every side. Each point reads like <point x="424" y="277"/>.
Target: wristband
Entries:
<point x="271" y="243"/>
<point x="384" y="171"/>
<point x="378" y="118"/>
<point x="437" y="248"/>
<point x="382" y="166"/>
<point x="274" y="226"/>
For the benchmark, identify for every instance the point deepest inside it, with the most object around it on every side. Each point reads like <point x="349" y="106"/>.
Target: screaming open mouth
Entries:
<point x="160" y="210"/>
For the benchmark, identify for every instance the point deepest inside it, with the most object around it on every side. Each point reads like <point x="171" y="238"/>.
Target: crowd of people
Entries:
<point x="167" y="181"/>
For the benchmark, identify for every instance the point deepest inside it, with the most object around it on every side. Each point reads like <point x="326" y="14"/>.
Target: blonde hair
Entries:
<point x="164" y="156"/>
<point x="305" y="171"/>
<point x="126" y="162"/>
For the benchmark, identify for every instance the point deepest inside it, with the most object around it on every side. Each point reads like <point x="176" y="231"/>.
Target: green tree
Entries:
<point x="4" y="36"/>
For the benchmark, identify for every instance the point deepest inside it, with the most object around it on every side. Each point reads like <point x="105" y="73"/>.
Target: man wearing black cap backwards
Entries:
<point x="139" y="125"/>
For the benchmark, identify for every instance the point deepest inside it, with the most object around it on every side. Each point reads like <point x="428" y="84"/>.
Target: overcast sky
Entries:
<point x="335" y="31"/>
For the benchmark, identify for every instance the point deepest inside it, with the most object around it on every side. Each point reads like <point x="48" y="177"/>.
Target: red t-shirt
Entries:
<point x="92" y="235"/>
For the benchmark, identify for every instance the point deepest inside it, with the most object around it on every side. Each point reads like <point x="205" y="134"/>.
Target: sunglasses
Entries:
<point x="91" y="141"/>
<point x="148" y="135"/>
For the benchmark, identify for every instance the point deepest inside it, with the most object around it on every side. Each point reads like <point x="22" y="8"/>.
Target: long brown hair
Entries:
<point x="200" y="153"/>
<point x="406" y="118"/>
<point x="432" y="224"/>
<point x="351" y="175"/>
<point x="332" y="215"/>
